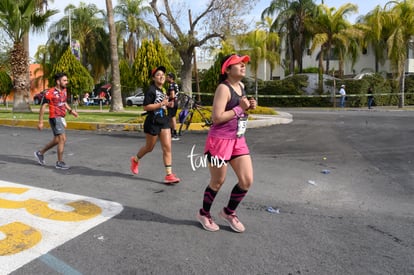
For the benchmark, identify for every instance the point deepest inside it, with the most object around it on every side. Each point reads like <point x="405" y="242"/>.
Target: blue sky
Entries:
<point x="39" y="39"/>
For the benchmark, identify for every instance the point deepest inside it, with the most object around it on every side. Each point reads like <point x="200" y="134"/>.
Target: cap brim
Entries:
<point x="234" y="59"/>
<point x="239" y="59"/>
<point x="159" y="68"/>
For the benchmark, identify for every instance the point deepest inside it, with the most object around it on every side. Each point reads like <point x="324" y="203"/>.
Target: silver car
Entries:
<point x="137" y="99"/>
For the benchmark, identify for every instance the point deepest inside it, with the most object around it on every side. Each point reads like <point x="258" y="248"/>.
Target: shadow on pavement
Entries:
<point x="80" y="170"/>
<point x="139" y="214"/>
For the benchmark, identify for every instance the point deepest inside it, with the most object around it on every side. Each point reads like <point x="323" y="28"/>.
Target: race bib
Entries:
<point x="241" y="126"/>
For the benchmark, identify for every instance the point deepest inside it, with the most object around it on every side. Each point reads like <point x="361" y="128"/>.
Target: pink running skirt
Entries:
<point x="226" y="149"/>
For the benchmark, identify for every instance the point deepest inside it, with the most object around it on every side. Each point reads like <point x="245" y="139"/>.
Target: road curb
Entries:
<point x="268" y="120"/>
<point x="256" y="122"/>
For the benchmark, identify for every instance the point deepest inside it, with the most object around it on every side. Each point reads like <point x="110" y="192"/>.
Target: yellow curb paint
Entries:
<point x="257" y="121"/>
<point x="73" y="125"/>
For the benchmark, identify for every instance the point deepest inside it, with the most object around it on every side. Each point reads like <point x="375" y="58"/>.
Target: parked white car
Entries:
<point x="137" y="99"/>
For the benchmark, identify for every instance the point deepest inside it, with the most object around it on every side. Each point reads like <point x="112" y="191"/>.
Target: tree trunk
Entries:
<point x="320" y="65"/>
<point x="341" y="68"/>
<point x="328" y="57"/>
<point x="291" y="57"/>
<point x="301" y="49"/>
<point x="186" y="74"/>
<point x="21" y="85"/>
<point x="116" y="102"/>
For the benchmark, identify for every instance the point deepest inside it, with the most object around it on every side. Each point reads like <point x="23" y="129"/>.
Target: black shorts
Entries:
<point x="58" y="125"/>
<point x="172" y="112"/>
<point x="153" y="126"/>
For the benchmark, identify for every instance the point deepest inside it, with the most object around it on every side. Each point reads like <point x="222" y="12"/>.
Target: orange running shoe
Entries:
<point x="171" y="178"/>
<point x="134" y="166"/>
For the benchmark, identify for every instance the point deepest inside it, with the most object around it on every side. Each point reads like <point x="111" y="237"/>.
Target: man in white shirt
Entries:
<point x="343" y="95"/>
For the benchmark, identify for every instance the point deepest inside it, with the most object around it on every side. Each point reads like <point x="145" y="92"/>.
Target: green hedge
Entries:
<point x="359" y="88"/>
<point x="355" y="89"/>
<point x="291" y="86"/>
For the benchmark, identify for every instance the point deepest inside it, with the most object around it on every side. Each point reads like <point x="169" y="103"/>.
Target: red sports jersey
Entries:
<point x="56" y="100"/>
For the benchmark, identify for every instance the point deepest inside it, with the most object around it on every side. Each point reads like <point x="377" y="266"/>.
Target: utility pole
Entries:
<point x="195" y="63"/>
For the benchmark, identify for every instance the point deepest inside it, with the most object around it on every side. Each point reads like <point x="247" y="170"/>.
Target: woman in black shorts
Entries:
<point x="156" y="125"/>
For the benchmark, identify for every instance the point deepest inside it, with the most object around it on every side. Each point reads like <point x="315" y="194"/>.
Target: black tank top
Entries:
<point x="234" y="99"/>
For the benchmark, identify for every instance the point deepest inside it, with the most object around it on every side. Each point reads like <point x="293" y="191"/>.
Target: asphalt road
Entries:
<point x="357" y="219"/>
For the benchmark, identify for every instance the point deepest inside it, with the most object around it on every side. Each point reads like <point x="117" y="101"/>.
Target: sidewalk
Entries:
<point x="337" y="109"/>
<point x="257" y="121"/>
<point x="283" y="117"/>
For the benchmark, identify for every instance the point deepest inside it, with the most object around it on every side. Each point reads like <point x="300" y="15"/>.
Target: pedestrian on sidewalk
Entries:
<point x="342" y="92"/>
<point x="370" y="98"/>
<point x="172" y="94"/>
<point x="226" y="144"/>
<point x="55" y="98"/>
<point x="156" y="125"/>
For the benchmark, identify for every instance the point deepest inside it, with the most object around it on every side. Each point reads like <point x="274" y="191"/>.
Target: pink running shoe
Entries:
<point x="134" y="166"/>
<point x="233" y="221"/>
<point x="171" y="178"/>
<point x="207" y="222"/>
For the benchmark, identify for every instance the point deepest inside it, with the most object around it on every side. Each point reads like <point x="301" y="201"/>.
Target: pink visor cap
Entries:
<point x="234" y="59"/>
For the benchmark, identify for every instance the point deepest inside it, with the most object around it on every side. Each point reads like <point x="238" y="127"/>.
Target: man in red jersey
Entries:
<point x="56" y="99"/>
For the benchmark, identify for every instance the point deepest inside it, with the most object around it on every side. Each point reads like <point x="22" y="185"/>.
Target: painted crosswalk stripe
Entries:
<point x="34" y="221"/>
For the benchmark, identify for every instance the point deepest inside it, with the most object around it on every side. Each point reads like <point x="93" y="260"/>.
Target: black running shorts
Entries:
<point x="153" y="127"/>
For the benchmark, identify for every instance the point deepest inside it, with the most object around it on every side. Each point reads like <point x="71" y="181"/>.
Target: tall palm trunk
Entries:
<point x="291" y="57"/>
<point x="116" y="103"/>
<point x="20" y="73"/>
<point x="320" y="69"/>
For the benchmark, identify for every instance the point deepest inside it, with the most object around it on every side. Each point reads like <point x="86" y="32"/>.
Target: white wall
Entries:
<point x="365" y="62"/>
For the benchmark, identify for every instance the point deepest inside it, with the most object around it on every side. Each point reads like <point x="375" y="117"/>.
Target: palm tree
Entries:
<point x="16" y="23"/>
<point x="116" y="102"/>
<point x="256" y="42"/>
<point x="272" y="44"/>
<point x="42" y="4"/>
<point x="290" y="23"/>
<point x="400" y="20"/>
<point x="87" y="27"/>
<point x="332" y="32"/>
<point x="374" y="34"/>
<point x="42" y="52"/>
<point x="42" y="57"/>
<point x="132" y="23"/>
